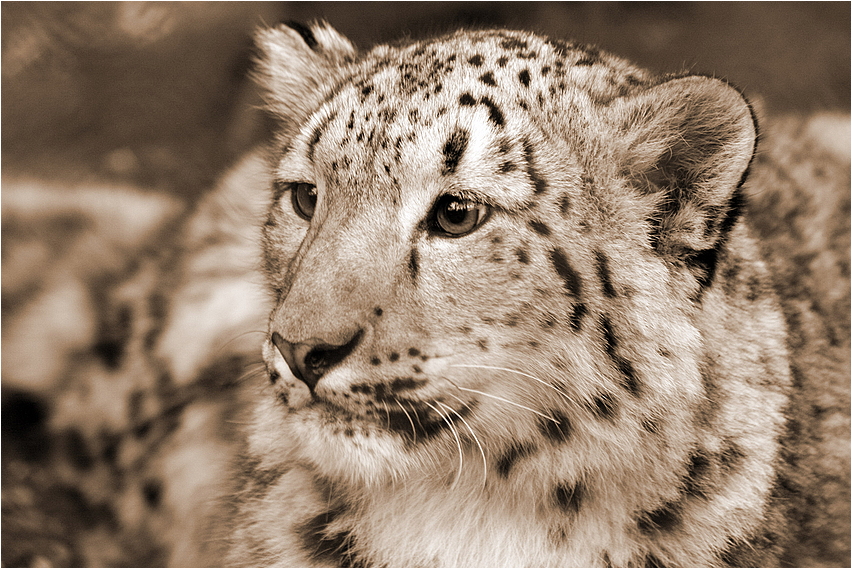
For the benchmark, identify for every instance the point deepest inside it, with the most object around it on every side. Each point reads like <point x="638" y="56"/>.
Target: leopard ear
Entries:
<point x="295" y="62"/>
<point x="688" y="142"/>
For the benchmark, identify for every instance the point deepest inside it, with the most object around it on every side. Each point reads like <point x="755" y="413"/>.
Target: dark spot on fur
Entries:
<point x="488" y="79"/>
<point x="629" y="379"/>
<point x="523" y="256"/>
<point x="332" y="550"/>
<point x="545" y="70"/>
<point x="512" y="456"/>
<point x="115" y="330"/>
<point x="152" y="491"/>
<point x="524" y="77"/>
<point x="651" y="425"/>
<point x="731" y="455"/>
<point x="564" y="204"/>
<point x="476" y="60"/>
<point x="569" y="497"/>
<point x="604" y="406"/>
<point x="539" y="183"/>
<point x="507" y="167"/>
<point x="663" y="519"/>
<point x="274" y="376"/>
<point x="603" y="273"/>
<point x="539" y="227"/>
<point x="576" y="319"/>
<point x="375" y="361"/>
<point x="393" y="356"/>
<point x="483" y="344"/>
<point x="283" y="397"/>
<point x="495" y="115"/>
<point x="570" y="277"/>
<point x="557" y="432"/>
<point x="502" y="61"/>
<point x="367" y="90"/>
<point x="513" y="43"/>
<point x="467" y="100"/>
<point x="413" y="264"/>
<point x="454" y="150"/>
<point x="699" y="477"/>
<point x="378" y="311"/>
<point x="413" y="352"/>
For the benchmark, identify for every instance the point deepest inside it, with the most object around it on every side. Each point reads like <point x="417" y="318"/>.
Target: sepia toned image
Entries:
<point x="448" y="284"/>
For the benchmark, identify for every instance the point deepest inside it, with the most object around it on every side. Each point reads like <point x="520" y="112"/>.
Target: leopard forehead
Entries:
<point x="422" y="98"/>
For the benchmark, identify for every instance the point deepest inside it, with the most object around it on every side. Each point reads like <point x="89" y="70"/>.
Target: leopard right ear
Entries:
<point x="295" y="62"/>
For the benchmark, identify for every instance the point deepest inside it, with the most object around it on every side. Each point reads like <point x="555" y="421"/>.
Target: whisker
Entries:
<point x="410" y="420"/>
<point x="387" y="414"/>
<point x="541" y="381"/>
<point x="252" y="371"/>
<point x="225" y="344"/>
<point x="458" y="442"/>
<point x="539" y="413"/>
<point x="475" y="438"/>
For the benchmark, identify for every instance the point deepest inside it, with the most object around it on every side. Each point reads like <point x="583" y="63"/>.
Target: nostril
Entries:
<point x="324" y="356"/>
<point x="310" y="360"/>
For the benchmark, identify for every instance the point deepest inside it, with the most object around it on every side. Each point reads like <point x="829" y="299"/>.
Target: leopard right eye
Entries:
<point x="303" y="197"/>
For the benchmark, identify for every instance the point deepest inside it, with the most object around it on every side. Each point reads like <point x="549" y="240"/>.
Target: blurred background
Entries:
<point x="155" y="93"/>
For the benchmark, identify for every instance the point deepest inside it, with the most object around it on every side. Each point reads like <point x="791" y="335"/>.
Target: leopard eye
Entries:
<point x="304" y="198"/>
<point x="454" y="216"/>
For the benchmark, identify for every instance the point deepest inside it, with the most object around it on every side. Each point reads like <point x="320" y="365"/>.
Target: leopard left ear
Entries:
<point x="689" y="142"/>
<point x="295" y="62"/>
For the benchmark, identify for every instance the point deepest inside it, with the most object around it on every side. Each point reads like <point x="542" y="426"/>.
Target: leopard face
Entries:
<point x="501" y="262"/>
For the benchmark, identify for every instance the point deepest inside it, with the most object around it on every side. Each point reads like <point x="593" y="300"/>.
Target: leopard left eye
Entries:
<point x="453" y="216"/>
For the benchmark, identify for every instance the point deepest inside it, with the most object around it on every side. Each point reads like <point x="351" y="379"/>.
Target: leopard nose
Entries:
<point x="310" y="360"/>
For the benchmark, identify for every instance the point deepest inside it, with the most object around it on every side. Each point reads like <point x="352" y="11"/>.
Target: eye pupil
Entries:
<point x="455" y="216"/>
<point x="304" y="197"/>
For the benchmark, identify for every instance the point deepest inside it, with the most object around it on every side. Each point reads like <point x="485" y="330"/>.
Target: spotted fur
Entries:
<point x="524" y="325"/>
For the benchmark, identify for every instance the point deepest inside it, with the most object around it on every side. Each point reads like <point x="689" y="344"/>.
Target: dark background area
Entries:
<point x="155" y="93"/>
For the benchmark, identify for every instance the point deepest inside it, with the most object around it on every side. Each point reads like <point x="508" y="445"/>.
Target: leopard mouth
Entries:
<point x="413" y="421"/>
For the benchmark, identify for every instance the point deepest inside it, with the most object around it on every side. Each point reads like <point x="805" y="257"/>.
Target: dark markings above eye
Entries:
<point x="494" y="112"/>
<point x="454" y="149"/>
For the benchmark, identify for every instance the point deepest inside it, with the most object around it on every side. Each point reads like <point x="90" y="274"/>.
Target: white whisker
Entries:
<point x="475" y="438"/>
<point x="221" y="347"/>
<point x="539" y="413"/>
<point x="495" y="368"/>
<point x="458" y="442"/>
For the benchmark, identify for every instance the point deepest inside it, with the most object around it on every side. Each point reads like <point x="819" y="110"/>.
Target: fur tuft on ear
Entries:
<point x="689" y="141"/>
<point x="295" y="60"/>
